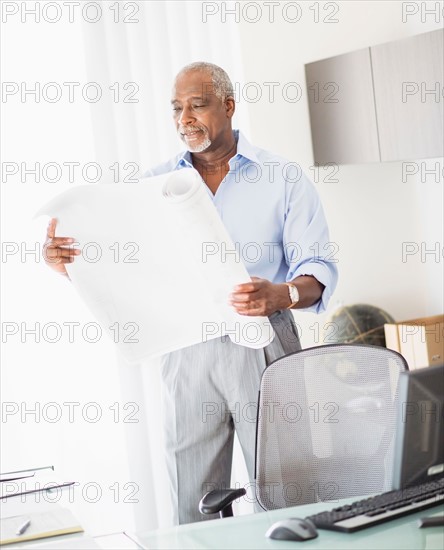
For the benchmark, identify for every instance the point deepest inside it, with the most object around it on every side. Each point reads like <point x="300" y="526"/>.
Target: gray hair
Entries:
<point x="222" y="85"/>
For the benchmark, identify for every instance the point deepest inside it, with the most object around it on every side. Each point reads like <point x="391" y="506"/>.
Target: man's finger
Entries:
<point x="249" y="305"/>
<point x="53" y="252"/>
<point x="247" y="287"/>
<point x="61" y="241"/>
<point x="251" y="312"/>
<point x="50" y="232"/>
<point x="239" y="297"/>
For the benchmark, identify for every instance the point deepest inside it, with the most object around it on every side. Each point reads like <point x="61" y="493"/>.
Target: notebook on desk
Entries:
<point x="41" y="525"/>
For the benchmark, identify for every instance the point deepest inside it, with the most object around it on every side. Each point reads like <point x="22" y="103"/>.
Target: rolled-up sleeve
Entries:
<point x="307" y="246"/>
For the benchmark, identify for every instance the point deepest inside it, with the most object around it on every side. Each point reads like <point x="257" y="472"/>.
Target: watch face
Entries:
<point x="294" y="294"/>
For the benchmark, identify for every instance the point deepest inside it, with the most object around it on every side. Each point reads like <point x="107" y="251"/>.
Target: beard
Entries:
<point x="201" y="142"/>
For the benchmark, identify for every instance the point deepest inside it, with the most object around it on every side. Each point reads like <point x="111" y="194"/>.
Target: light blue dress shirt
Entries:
<point x="274" y="216"/>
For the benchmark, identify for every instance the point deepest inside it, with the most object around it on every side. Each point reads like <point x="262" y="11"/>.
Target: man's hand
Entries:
<point x="56" y="250"/>
<point x="260" y="297"/>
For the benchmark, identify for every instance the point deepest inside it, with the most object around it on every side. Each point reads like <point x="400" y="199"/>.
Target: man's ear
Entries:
<point x="230" y="106"/>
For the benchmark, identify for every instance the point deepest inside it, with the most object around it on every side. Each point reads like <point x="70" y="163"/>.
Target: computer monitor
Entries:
<point x="419" y="444"/>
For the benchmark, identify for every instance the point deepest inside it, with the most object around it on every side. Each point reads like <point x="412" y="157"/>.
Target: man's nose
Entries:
<point x="185" y="116"/>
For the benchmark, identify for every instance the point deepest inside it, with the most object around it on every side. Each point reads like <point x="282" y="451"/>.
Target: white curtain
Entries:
<point x="148" y="54"/>
<point x="168" y="36"/>
<point x="69" y="402"/>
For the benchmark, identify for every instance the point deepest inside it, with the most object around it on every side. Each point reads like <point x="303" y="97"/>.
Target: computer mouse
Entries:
<point x="292" y="529"/>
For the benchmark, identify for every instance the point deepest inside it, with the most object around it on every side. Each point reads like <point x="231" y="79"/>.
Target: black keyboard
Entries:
<point x="381" y="508"/>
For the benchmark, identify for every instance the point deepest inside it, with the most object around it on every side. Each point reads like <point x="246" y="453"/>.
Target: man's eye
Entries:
<point x="198" y="106"/>
<point x="176" y="108"/>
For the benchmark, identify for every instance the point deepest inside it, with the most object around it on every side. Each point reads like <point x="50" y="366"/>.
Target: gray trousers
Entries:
<point x="209" y="390"/>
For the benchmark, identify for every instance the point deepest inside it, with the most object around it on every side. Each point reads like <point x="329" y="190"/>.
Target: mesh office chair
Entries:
<point x="325" y="428"/>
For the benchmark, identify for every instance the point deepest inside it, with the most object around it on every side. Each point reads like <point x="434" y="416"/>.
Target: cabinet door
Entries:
<point x="408" y="80"/>
<point x="342" y="109"/>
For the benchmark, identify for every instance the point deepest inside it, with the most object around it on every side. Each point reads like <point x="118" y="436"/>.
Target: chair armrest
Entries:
<point x="220" y="501"/>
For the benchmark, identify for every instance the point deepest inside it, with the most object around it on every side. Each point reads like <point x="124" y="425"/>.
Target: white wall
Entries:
<point x="371" y="212"/>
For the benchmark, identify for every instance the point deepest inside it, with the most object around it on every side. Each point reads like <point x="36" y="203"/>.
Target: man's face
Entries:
<point x="201" y="118"/>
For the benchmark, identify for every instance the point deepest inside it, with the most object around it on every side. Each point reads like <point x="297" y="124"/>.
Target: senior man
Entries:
<point x="262" y="199"/>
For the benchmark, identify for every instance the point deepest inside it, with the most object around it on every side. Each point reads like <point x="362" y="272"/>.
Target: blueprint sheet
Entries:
<point x="153" y="270"/>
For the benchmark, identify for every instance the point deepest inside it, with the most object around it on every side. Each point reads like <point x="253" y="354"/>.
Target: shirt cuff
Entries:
<point x="326" y="275"/>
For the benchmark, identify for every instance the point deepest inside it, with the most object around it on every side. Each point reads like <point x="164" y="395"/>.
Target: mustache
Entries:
<point x="185" y="130"/>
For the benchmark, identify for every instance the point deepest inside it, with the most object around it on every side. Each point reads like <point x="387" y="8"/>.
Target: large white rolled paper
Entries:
<point x="153" y="268"/>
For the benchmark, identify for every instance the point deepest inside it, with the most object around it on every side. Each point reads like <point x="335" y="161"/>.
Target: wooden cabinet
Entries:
<point x="342" y="109"/>
<point x="379" y="104"/>
<point x="408" y="82"/>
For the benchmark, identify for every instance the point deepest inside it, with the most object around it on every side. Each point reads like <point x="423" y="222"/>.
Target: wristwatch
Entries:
<point x="293" y="293"/>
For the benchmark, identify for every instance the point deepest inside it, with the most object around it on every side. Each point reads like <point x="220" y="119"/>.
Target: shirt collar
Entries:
<point x="184" y="159"/>
<point x="244" y="149"/>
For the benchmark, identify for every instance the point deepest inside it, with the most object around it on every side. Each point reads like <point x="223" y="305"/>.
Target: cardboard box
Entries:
<point x="420" y="341"/>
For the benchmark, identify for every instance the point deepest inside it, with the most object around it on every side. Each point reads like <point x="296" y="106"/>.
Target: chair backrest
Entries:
<point x="326" y="424"/>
